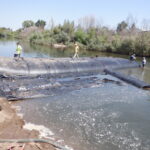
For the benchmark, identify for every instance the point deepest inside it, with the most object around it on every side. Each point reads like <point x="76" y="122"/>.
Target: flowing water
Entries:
<point x="104" y="116"/>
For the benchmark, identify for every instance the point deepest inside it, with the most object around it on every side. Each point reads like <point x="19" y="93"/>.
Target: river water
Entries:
<point x="103" y="116"/>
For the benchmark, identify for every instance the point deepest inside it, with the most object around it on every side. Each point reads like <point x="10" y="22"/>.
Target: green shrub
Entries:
<point x="81" y="36"/>
<point x="62" y="37"/>
<point x="126" y="47"/>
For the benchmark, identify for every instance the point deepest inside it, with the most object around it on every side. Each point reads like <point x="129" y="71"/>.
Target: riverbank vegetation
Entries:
<point x="127" y="38"/>
<point x="6" y="33"/>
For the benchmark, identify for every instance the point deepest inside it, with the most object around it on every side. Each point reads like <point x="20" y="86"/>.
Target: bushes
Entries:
<point x="126" y="47"/>
<point x="47" y="38"/>
<point x="124" y="41"/>
<point x="62" y="37"/>
<point x="6" y="33"/>
<point x="92" y="41"/>
<point x="81" y="36"/>
<point x="35" y="36"/>
<point x="41" y="38"/>
<point x="142" y="44"/>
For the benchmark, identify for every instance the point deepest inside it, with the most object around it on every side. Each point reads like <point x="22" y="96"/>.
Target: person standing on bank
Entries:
<point x="143" y="62"/>
<point x="18" y="51"/>
<point x="76" y="51"/>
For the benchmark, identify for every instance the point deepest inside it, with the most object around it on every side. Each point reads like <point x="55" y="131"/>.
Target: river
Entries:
<point x="100" y="117"/>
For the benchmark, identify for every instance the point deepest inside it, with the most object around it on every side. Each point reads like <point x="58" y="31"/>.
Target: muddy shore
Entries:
<point x="11" y="127"/>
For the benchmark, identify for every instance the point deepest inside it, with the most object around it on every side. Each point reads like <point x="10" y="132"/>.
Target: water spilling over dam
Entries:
<point x="56" y="66"/>
<point x="38" y="77"/>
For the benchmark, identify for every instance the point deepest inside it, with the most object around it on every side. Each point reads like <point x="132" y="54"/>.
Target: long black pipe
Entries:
<point x="55" y="144"/>
<point x="134" y="81"/>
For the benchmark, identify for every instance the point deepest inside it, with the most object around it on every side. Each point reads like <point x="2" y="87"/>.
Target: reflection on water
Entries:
<point x="140" y="73"/>
<point x="7" y="48"/>
<point x="45" y="51"/>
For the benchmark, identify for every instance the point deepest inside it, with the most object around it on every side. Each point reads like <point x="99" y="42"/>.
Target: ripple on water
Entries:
<point x="103" y="118"/>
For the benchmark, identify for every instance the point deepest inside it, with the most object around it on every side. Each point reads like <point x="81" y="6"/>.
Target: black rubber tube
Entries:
<point x="134" y="81"/>
<point x="55" y="144"/>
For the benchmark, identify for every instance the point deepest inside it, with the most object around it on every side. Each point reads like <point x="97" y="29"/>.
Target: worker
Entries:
<point x="18" y="51"/>
<point x="132" y="57"/>
<point x="76" y="51"/>
<point x="143" y="61"/>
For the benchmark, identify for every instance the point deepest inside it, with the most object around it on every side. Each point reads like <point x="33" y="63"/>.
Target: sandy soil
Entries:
<point x="11" y="127"/>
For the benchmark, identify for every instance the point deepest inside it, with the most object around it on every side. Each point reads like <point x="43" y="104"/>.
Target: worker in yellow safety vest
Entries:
<point x="18" y="50"/>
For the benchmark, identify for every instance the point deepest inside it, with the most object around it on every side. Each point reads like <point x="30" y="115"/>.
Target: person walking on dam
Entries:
<point x="18" y="51"/>
<point x="76" y="51"/>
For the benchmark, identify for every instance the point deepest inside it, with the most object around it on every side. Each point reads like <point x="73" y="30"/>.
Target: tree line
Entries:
<point x="127" y="38"/>
<point x="30" y="23"/>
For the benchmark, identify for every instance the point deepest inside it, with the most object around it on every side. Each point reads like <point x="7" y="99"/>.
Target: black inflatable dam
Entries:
<point x="39" y="77"/>
<point x="55" y="66"/>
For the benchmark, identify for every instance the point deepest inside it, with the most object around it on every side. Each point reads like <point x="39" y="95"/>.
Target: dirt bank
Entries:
<point x="11" y="127"/>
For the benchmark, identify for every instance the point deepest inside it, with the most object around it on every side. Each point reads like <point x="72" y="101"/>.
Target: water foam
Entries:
<point x="43" y="131"/>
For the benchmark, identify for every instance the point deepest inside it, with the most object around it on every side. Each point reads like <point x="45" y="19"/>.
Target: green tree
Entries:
<point x="81" y="36"/>
<point x="62" y="37"/>
<point x="40" y="23"/>
<point x="142" y="44"/>
<point x="57" y="29"/>
<point x="122" y="26"/>
<point x="68" y="27"/>
<point x="27" y="23"/>
<point x="6" y="33"/>
<point x="126" y="47"/>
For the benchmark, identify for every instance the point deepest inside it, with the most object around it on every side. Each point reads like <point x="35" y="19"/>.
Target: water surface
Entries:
<point x="103" y="116"/>
<point x="7" y="48"/>
<point x="108" y="117"/>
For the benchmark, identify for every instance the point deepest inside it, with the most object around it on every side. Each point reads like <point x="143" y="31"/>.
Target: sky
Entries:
<point x="108" y="12"/>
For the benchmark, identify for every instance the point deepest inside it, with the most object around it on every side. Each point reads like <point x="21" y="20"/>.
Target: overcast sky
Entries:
<point x="108" y="12"/>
